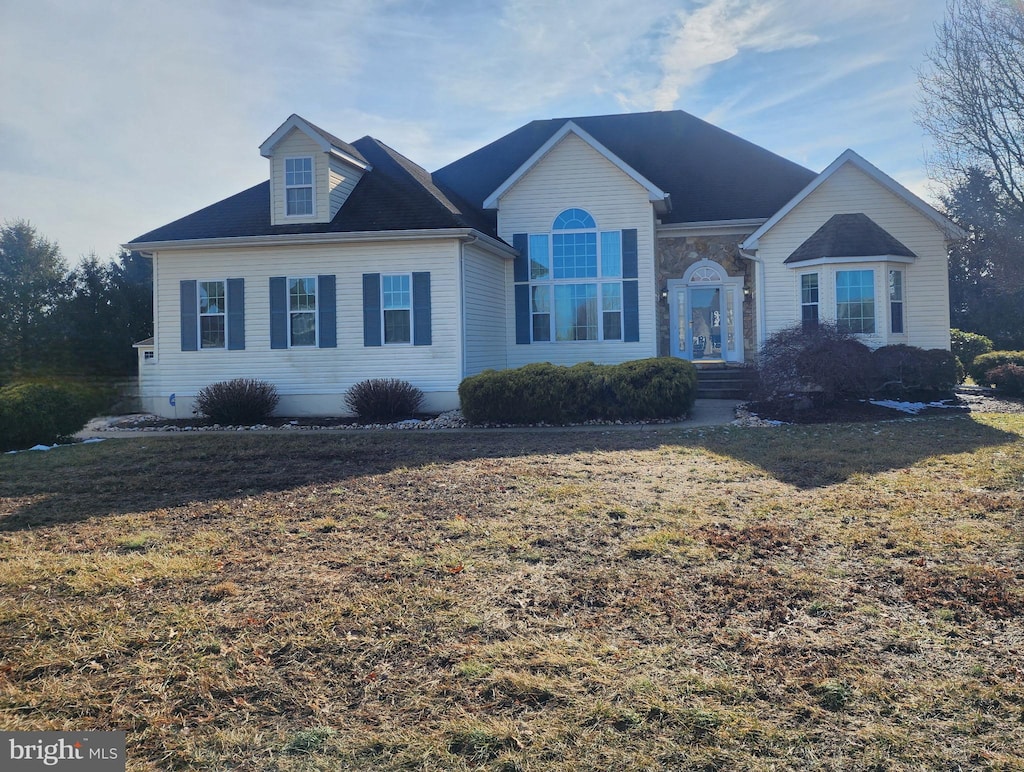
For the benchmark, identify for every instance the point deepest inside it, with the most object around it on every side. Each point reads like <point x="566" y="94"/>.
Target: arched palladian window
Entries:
<point x="562" y="307"/>
<point x="576" y="282"/>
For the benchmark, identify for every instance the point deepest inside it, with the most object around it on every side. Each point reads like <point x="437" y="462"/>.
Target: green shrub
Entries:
<point x="1008" y="379"/>
<point x="544" y="393"/>
<point x="967" y="345"/>
<point x="380" y="400"/>
<point x="44" y="413"/>
<point x="984" y="362"/>
<point x="901" y="370"/>
<point x="237" y="402"/>
<point x="825" y="361"/>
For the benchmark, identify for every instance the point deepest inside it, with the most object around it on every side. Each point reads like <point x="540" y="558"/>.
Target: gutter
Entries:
<point x="300" y="239"/>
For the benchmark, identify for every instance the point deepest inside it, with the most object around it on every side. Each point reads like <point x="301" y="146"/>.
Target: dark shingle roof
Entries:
<point x="710" y="173"/>
<point x="395" y="195"/>
<point x="849" y="235"/>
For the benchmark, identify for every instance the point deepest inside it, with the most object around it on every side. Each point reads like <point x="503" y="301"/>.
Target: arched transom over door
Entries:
<point x="706" y="314"/>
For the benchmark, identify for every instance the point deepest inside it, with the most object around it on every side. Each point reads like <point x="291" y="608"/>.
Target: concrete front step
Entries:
<point x="726" y="383"/>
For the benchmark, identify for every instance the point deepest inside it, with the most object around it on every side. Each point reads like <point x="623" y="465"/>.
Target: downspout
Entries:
<point x="760" y="317"/>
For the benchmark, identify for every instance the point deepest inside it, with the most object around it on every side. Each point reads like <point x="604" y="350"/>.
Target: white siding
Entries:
<point x="484" y="299"/>
<point x="573" y="174"/>
<point x="342" y="179"/>
<point x="311" y="381"/>
<point x="926" y="283"/>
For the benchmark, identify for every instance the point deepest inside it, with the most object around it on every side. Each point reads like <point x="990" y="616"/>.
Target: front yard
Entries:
<point x="799" y="597"/>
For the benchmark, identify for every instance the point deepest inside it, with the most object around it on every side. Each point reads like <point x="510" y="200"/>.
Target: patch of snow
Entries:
<point x="913" y="408"/>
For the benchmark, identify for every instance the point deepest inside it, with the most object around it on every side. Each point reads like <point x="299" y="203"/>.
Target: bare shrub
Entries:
<point x="237" y="402"/>
<point x="380" y="400"/>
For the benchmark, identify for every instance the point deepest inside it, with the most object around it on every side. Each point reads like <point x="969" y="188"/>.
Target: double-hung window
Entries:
<point x="809" y="301"/>
<point x="855" y="301"/>
<point x="896" y="302"/>
<point x="212" y="314"/>
<point x="298" y="186"/>
<point x="302" y="311"/>
<point x="576" y="281"/>
<point x="396" y="303"/>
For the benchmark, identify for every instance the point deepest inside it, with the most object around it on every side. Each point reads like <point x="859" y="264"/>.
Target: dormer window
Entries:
<point x="298" y="186"/>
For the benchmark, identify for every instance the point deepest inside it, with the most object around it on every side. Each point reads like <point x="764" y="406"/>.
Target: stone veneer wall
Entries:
<point x="676" y="254"/>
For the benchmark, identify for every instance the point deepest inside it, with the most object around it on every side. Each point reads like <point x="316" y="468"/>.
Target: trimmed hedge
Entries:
<point x="36" y="413"/>
<point x="900" y="369"/>
<point x="968" y="345"/>
<point x="984" y="362"/>
<point x="1008" y="379"/>
<point x="643" y="389"/>
<point x="381" y="400"/>
<point x="238" y="402"/>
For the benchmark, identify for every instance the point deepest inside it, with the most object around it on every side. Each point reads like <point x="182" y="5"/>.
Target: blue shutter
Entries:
<point x="189" y="317"/>
<point x="522" y="313"/>
<point x="629" y="254"/>
<point x="521" y="242"/>
<point x="278" y="312"/>
<point x="371" y="309"/>
<point x="236" y="314"/>
<point x="421" y="309"/>
<point x="327" y="310"/>
<point x="631" y="311"/>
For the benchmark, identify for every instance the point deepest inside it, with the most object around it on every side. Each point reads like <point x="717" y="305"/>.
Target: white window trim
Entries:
<point x="316" y="311"/>
<point x="902" y="301"/>
<point x="287" y="187"/>
<point x="800" y="295"/>
<point x="599" y="280"/>
<point x="412" y="316"/>
<point x="200" y="315"/>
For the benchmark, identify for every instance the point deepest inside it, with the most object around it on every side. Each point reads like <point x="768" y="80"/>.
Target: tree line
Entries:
<point x="56" y="321"/>
<point x="972" y="105"/>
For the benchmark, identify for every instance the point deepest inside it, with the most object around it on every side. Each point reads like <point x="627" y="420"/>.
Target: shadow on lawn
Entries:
<point x="151" y="473"/>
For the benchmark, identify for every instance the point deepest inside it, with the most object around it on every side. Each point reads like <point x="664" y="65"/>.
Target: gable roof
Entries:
<point x="327" y="142"/>
<point x="951" y="230"/>
<point x="396" y="195"/>
<point x="710" y="174"/>
<point x="849" y="235"/>
<point x="655" y="194"/>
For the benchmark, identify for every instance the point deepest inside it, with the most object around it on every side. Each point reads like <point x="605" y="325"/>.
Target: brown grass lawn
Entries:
<point x="822" y="597"/>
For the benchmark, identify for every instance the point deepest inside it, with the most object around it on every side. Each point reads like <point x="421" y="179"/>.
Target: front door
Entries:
<point x="705" y="308"/>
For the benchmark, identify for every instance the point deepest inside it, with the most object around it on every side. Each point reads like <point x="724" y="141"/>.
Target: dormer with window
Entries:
<point x="312" y="173"/>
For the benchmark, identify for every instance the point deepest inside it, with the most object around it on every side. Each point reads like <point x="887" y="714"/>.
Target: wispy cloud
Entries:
<point x="715" y="33"/>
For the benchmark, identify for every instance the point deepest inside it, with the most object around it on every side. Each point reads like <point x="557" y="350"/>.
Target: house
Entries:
<point x="602" y="238"/>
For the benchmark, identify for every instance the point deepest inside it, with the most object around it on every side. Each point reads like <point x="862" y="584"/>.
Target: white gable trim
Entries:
<point x="654" y="193"/>
<point x="951" y="230"/>
<point x="297" y="122"/>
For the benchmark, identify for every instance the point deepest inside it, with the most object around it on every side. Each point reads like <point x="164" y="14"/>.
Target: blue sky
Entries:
<point x="122" y="115"/>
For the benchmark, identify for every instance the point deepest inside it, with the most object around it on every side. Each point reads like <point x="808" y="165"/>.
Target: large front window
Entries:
<point x="298" y="186"/>
<point x="212" y="314"/>
<point x="302" y="311"/>
<point x="564" y="308"/>
<point x="855" y="301"/>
